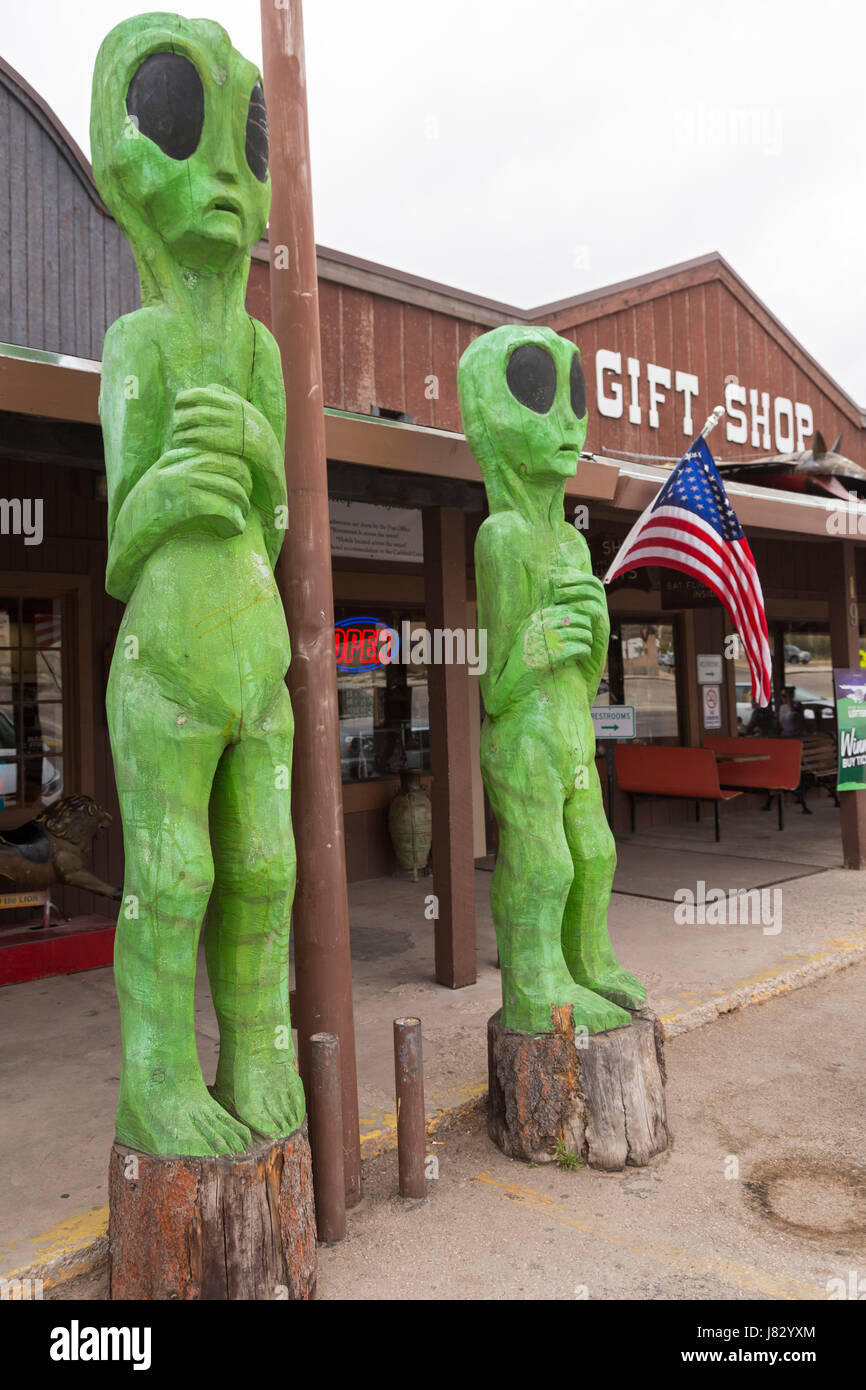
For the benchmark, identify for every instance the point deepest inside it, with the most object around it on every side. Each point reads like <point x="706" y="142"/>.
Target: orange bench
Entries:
<point x="687" y="773"/>
<point x="771" y="765"/>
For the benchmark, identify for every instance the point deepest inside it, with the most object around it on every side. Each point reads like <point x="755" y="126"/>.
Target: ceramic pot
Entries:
<point x="410" y="824"/>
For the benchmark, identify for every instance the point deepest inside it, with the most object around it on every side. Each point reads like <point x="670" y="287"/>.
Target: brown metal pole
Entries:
<point x="321" y="910"/>
<point x="411" y="1127"/>
<point x="326" y="1136"/>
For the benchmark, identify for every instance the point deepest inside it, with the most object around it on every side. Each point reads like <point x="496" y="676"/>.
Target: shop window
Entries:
<point x="809" y="673"/>
<point x="641" y="671"/>
<point x="32" y="646"/>
<point x="384" y="718"/>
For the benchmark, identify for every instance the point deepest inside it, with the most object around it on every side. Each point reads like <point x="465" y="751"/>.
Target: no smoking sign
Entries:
<point x="712" y="698"/>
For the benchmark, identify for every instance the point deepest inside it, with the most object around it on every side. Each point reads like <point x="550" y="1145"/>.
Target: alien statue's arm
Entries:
<point x="269" y="479"/>
<point x="504" y="599"/>
<point x="575" y="584"/>
<point x="524" y="643"/>
<point x="156" y="494"/>
<point x="214" y="418"/>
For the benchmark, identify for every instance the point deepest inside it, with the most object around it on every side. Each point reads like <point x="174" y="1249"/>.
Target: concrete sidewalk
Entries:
<point x="762" y="1195"/>
<point x="60" y="1055"/>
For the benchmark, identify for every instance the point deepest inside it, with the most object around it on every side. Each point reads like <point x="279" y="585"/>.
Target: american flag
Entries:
<point x="691" y="526"/>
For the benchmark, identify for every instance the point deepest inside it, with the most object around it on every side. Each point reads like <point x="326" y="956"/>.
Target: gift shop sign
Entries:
<point x="637" y="391"/>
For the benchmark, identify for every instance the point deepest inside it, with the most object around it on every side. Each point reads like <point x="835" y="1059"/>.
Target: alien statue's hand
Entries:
<point x="211" y="488"/>
<point x="215" y="419"/>
<point x="575" y="589"/>
<point x="186" y="491"/>
<point x="574" y="628"/>
<point x="557" y="635"/>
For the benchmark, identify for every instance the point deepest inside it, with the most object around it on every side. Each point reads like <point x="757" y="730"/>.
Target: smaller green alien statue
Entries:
<point x="523" y="401"/>
<point x="193" y="415"/>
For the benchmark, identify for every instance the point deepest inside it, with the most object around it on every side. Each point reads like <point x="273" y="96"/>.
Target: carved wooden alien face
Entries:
<point x="523" y="400"/>
<point x="180" y="140"/>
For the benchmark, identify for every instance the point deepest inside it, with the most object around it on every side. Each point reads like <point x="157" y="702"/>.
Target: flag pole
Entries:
<point x="712" y="421"/>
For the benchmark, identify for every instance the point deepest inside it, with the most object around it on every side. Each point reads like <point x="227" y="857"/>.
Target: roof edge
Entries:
<point x="335" y="264"/>
<point x="54" y="128"/>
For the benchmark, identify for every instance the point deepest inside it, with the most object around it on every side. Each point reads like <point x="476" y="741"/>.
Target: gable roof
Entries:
<point x="559" y="314"/>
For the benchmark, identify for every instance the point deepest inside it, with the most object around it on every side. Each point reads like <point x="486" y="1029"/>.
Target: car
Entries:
<point x="814" y="706"/>
<point x="666" y="659"/>
<point x="797" y="654"/>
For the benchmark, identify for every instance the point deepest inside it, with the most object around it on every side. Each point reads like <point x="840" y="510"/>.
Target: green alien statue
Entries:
<point x="523" y="401"/>
<point x="193" y="414"/>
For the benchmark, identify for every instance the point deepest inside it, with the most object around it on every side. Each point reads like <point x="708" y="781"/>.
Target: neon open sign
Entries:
<point x="362" y="644"/>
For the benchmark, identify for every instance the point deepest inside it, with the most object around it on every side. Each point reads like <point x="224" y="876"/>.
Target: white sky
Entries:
<point x="529" y="152"/>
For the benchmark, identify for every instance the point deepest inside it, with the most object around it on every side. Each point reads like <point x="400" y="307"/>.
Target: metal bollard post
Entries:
<point x="411" y="1127"/>
<point x="326" y="1136"/>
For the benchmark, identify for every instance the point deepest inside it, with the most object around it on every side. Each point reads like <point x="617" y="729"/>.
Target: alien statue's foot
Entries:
<point x="615" y="984"/>
<point x="530" y="1009"/>
<point x="270" y="1099"/>
<point x="181" y="1120"/>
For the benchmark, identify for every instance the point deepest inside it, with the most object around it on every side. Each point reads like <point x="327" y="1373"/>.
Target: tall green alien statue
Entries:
<point x="523" y="401"/>
<point x="193" y="415"/>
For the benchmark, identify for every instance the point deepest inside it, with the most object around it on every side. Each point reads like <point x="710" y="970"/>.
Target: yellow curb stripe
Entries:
<point x="59" y="1245"/>
<point x="747" y="1278"/>
<point x="768" y="984"/>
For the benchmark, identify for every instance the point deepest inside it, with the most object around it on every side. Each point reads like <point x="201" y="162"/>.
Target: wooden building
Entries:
<point x="659" y="352"/>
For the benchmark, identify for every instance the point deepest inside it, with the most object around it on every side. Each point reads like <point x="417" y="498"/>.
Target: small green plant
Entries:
<point x="564" y="1158"/>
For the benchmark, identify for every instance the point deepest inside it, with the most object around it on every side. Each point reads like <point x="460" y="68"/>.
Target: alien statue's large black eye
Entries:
<point x="257" y="134"/>
<point x="531" y="377"/>
<point x="577" y="383"/>
<point x="167" y="100"/>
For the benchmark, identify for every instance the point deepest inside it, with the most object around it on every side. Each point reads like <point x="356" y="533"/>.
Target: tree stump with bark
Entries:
<point x="213" y="1228"/>
<point x="601" y="1095"/>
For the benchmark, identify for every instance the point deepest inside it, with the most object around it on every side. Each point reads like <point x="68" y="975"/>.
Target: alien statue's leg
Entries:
<point x="528" y="894"/>
<point x="248" y="924"/>
<point x="585" y="940"/>
<point x="165" y="760"/>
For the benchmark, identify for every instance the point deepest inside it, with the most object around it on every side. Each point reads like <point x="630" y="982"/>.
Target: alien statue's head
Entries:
<point x="523" y="401"/>
<point x="179" y="137"/>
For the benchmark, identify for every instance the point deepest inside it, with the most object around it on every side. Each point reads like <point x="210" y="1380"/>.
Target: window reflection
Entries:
<point x="31" y="702"/>
<point x="641" y="670"/>
<point x="384" y="716"/>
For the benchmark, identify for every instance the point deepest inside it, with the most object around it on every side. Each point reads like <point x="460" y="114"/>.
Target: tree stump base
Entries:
<point x="602" y="1095"/>
<point x="213" y="1228"/>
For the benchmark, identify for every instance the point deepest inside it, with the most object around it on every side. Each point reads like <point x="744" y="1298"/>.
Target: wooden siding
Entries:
<point x="66" y="271"/>
<point x="710" y="328"/>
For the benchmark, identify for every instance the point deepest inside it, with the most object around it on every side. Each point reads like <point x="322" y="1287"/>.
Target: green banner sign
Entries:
<point x="851" y="720"/>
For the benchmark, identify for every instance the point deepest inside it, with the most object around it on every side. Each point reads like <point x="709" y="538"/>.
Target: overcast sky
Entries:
<point x="529" y="152"/>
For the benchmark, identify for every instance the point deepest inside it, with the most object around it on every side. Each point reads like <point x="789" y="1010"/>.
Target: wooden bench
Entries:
<point x="819" y="766"/>
<point x="689" y="774"/>
<point x="770" y="765"/>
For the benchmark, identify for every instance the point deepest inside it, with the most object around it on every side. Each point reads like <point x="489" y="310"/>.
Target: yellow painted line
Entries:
<point x="739" y="1276"/>
<point x="62" y="1242"/>
<point x="798" y="970"/>
<point x="379" y="1130"/>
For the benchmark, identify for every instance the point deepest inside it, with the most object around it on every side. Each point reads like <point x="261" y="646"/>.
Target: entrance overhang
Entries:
<point x="58" y="387"/>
